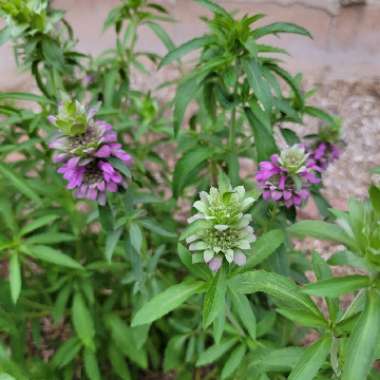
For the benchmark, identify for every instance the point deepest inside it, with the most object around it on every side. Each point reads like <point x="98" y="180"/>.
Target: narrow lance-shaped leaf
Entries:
<point x="15" y="276"/>
<point x="214" y="299"/>
<point x="184" y="49"/>
<point x="320" y="230"/>
<point x="215" y="8"/>
<point x="263" y="247"/>
<point x="185" y="165"/>
<point x="165" y="302"/>
<point x="284" y="291"/>
<point x="82" y="321"/>
<point x="51" y="255"/>
<point x="335" y="287"/>
<point x="311" y="360"/>
<point x="111" y="243"/>
<point x="161" y="34"/>
<point x="244" y="310"/>
<point x="280" y="27"/>
<point x="264" y="141"/>
<point x="215" y="352"/>
<point x="256" y="80"/>
<point x="20" y="184"/>
<point x="233" y="361"/>
<point x="363" y="341"/>
<point x="91" y="365"/>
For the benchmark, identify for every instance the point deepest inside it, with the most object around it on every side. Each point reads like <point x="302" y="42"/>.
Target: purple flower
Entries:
<point x="324" y="153"/>
<point x="286" y="178"/>
<point x="91" y="179"/>
<point x="86" y="160"/>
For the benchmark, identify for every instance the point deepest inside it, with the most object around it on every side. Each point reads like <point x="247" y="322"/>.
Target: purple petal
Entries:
<point x="215" y="264"/>
<point x="103" y="152"/>
<point x="240" y="259"/>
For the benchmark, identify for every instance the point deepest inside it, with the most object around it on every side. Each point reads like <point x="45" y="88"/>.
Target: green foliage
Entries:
<point x="110" y="292"/>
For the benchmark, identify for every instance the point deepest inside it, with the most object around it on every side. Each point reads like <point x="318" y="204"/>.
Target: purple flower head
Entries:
<point x="88" y="158"/>
<point x="91" y="179"/>
<point x="324" y="153"/>
<point x="286" y="178"/>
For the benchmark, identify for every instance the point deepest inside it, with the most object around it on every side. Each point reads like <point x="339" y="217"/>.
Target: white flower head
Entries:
<point x="224" y="232"/>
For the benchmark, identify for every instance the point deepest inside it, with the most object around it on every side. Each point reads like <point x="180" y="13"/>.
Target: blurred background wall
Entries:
<point x="343" y="61"/>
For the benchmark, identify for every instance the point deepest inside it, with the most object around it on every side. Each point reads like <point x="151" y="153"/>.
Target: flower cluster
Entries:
<point x="324" y="153"/>
<point x="223" y="228"/>
<point x="325" y="148"/>
<point x="88" y="151"/>
<point x="286" y="178"/>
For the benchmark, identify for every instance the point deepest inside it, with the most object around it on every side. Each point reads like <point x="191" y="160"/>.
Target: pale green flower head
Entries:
<point x="221" y="229"/>
<point x="73" y="118"/>
<point x="293" y="159"/>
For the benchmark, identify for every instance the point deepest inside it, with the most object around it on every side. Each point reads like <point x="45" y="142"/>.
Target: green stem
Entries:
<point x="232" y="132"/>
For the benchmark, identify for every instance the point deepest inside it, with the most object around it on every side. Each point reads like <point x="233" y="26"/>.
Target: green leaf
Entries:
<point x="186" y="92"/>
<point x="173" y="356"/>
<point x="184" y="49"/>
<point x="244" y="310"/>
<point x="66" y="352"/>
<point x="233" y="361"/>
<point x="214" y="300"/>
<point x="53" y="53"/>
<point x="374" y="195"/>
<point x="323" y="272"/>
<point x="49" y="238"/>
<point x="51" y="255"/>
<point x="264" y="141"/>
<point x="292" y="82"/>
<point x="348" y="258"/>
<point x="154" y="226"/>
<point x="278" y="360"/>
<point x="312" y="360"/>
<point x="111" y="243"/>
<point x="15" y="276"/>
<point x="91" y="366"/>
<point x="215" y="352"/>
<point x="161" y="34"/>
<point x="301" y="318"/>
<point x="361" y="346"/>
<point x="280" y="27"/>
<point x="257" y="82"/>
<point x="124" y="339"/>
<point x="38" y="223"/>
<point x="165" y="302"/>
<point x="284" y="291"/>
<point x="136" y="237"/>
<point x="198" y="270"/>
<point x="82" y="321"/>
<point x="215" y="8"/>
<point x="319" y="113"/>
<point x="320" y="230"/>
<point x="20" y="184"/>
<point x="119" y="366"/>
<point x="185" y="165"/>
<point x="25" y="96"/>
<point x="263" y="247"/>
<point x="337" y="286"/>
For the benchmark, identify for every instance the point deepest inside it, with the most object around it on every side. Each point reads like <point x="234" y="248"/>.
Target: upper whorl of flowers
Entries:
<point x="224" y="231"/>
<point x="325" y="149"/>
<point x="86" y="149"/>
<point x="286" y="178"/>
